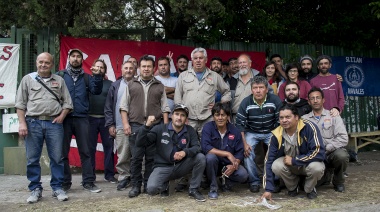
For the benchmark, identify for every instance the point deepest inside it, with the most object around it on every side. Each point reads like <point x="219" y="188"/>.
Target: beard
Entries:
<point x="217" y="69"/>
<point x="292" y="98"/>
<point x="243" y="71"/>
<point x="306" y="70"/>
<point x="324" y="71"/>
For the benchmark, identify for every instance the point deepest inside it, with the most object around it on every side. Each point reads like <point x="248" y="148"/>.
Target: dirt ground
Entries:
<point x="362" y="194"/>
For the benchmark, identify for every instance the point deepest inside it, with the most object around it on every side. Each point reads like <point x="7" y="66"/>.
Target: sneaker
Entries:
<point x="196" y="195"/>
<point x="135" y="191"/>
<point x="294" y="192"/>
<point x="91" y="187"/>
<point x="312" y="194"/>
<point x="35" y="195"/>
<point x="123" y="184"/>
<point x="60" y="195"/>
<point x="213" y="194"/>
<point x="111" y="180"/>
<point x="254" y="188"/>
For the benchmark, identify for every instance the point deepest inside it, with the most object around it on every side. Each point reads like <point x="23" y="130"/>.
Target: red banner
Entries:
<point x="115" y="52"/>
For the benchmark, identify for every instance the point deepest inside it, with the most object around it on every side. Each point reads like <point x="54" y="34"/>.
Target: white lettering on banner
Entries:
<point x="355" y="91"/>
<point x="354" y="60"/>
<point x="9" y="60"/>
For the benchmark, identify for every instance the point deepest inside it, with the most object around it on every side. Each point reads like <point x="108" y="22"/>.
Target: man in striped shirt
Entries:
<point x="256" y="118"/>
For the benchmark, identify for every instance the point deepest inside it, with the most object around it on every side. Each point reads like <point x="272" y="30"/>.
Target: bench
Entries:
<point x="365" y="137"/>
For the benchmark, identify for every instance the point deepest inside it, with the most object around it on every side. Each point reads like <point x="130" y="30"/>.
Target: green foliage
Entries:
<point x="350" y="24"/>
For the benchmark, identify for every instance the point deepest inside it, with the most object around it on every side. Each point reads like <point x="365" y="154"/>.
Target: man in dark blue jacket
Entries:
<point x="296" y="148"/>
<point x="76" y="123"/>
<point x="224" y="149"/>
<point x="177" y="153"/>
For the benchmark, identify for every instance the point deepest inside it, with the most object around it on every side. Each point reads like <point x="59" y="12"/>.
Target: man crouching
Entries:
<point x="177" y="153"/>
<point x="296" y="148"/>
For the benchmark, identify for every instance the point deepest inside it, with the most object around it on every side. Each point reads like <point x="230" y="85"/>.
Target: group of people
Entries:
<point x="210" y="127"/>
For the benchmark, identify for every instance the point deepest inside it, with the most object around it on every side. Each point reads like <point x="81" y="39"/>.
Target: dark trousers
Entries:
<point x="214" y="168"/>
<point x="138" y="154"/>
<point x="97" y="126"/>
<point x="77" y="126"/>
<point x="161" y="175"/>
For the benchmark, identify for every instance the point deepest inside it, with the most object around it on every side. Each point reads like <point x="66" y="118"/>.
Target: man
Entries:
<point x="182" y="63"/>
<point x="225" y="68"/>
<point x="334" y="136"/>
<point x="292" y="97"/>
<point x="224" y="149"/>
<point x="96" y="120"/>
<point x="257" y="116"/>
<point x="115" y="124"/>
<point x="234" y="66"/>
<point x="144" y="97"/>
<point x="168" y="81"/>
<point x="277" y="59"/>
<point x="196" y="89"/>
<point x="136" y="64"/>
<point x="76" y="123"/>
<point x="177" y="153"/>
<point x="243" y="83"/>
<point x="332" y="88"/>
<point x="45" y="113"/>
<point x="307" y="68"/>
<point x="296" y="148"/>
<point x="216" y="65"/>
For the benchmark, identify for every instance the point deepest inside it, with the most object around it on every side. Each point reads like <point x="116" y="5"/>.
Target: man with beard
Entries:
<point x="216" y="65"/>
<point x="177" y="154"/>
<point x="256" y="118"/>
<point x="306" y="72"/>
<point x="182" y="63"/>
<point x="76" y="123"/>
<point x="330" y="86"/>
<point x="115" y="125"/>
<point x="97" y="120"/>
<point x="292" y="93"/>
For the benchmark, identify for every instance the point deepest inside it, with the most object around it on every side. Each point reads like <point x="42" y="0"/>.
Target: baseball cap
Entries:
<point x="181" y="107"/>
<point x="76" y="50"/>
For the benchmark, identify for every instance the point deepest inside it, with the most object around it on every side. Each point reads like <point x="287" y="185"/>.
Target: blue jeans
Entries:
<point x="249" y="162"/>
<point x="52" y="133"/>
<point x="97" y="126"/>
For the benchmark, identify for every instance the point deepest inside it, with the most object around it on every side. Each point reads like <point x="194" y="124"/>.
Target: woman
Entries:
<point x="292" y="71"/>
<point x="273" y="76"/>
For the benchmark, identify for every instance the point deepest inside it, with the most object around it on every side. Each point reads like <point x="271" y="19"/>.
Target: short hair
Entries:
<point x="217" y="58"/>
<point x="164" y="58"/>
<point x="323" y="57"/>
<point x="147" y="58"/>
<point x="182" y="56"/>
<point x="292" y="83"/>
<point x="259" y="80"/>
<point x="290" y="107"/>
<point x="275" y="55"/>
<point x="249" y="57"/>
<point x="198" y="49"/>
<point x="225" y="63"/>
<point x="133" y="65"/>
<point x="231" y="59"/>
<point x="290" y="66"/>
<point x="315" y="89"/>
<point x="102" y="61"/>
<point x="221" y="106"/>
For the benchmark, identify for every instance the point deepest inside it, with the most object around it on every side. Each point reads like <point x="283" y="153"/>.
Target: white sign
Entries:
<point x="9" y="59"/>
<point x="10" y="123"/>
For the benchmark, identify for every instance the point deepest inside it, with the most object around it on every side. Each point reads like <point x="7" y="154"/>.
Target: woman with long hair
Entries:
<point x="273" y="76"/>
